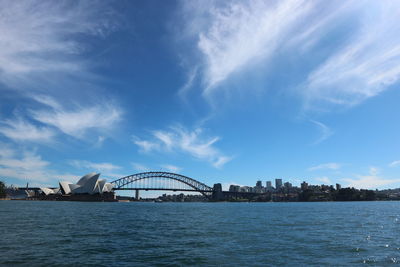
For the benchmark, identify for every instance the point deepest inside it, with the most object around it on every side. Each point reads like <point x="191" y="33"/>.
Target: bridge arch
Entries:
<point x="142" y="181"/>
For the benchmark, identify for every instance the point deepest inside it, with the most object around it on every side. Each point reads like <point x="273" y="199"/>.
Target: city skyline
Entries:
<point x="225" y="92"/>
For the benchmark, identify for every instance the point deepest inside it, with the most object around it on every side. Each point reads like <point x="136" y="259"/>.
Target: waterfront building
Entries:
<point x="287" y="185"/>
<point x="325" y="188"/>
<point x="338" y="187"/>
<point x="245" y="189"/>
<point x="258" y="188"/>
<point x="304" y="186"/>
<point x="278" y="183"/>
<point x="49" y="191"/>
<point x="234" y="188"/>
<point x="88" y="184"/>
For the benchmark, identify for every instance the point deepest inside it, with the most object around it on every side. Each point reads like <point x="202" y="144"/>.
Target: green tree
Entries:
<point x="2" y="190"/>
<point x="306" y="195"/>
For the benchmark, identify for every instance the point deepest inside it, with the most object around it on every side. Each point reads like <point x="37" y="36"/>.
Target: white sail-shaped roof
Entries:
<point x="100" y="186"/>
<point x="56" y="190"/>
<point x="85" y="178"/>
<point x="87" y="184"/>
<point x="72" y="187"/>
<point x="108" y="187"/>
<point x="64" y="186"/>
<point x="48" y="191"/>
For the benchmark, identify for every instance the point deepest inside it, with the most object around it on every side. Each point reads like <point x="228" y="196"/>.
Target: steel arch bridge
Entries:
<point x="159" y="181"/>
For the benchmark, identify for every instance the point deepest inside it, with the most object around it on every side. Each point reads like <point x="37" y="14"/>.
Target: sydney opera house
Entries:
<point x="89" y="188"/>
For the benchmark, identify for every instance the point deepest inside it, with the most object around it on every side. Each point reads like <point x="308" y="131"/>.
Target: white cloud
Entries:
<point x="371" y="181"/>
<point x="326" y="166"/>
<point x="171" y="168"/>
<point x="102" y="167"/>
<point x="234" y="36"/>
<point x="165" y="138"/>
<point x="240" y="33"/>
<point x="394" y="163"/>
<point x="28" y="166"/>
<point x="181" y="140"/>
<point x="145" y="146"/>
<point x="41" y="50"/>
<point x="373" y="171"/>
<point x="76" y="121"/>
<point x="100" y="141"/>
<point x="140" y="167"/>
<point x="19" y="129"/>
<point x="325" y="131"/>
<point x="189" y="83"/>
<point x="105" y="168"/>
<point x="221" y="160"/>
<point x="366" y="65"/>
<point x="324" y="180"/>
<point x="39" y="37"/>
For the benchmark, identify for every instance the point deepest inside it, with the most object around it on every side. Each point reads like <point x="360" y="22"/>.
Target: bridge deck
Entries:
<point x="164" y="189"/>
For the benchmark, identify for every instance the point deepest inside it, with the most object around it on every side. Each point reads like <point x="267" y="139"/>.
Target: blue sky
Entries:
<point x="221" y="91"/>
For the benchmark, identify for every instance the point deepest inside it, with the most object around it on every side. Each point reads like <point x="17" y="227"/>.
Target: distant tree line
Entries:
<point x="2" y="190"/>
<point x="343" y="194"/>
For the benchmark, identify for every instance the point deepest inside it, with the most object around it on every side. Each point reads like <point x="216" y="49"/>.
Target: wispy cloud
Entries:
<point x="367" y="64"/>
<point x="77" y="120"/>
<point x="28" y="166"/>
<point x="370" y="181"/>
<point x="19" y="130"/>
<point x="189" y="83"/>
<point x="324" y="180"/>
<point x="179" y="139"/>
<point x="326" y="166"/>
<point x="240" y="33"/>
<point x="171" y="168"/>
<point x="232" y="37"/>
<point x="394" y="163"/>
<point x="39" y="37"/>
<point x="102" y="167"/>
<point x="41" y="52"/>
<point x="105" y="168"/>
<point x="325" y="132"/>
<point x="100" y="141"/>
<point x="144" y="145"/>
<point x="140" y="167"/>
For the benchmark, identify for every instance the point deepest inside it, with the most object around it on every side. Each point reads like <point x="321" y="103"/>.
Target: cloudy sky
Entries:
<point x="221" y="91"/>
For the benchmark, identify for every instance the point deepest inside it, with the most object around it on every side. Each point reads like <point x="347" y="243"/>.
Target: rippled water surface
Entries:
<point x="224" y="234"/>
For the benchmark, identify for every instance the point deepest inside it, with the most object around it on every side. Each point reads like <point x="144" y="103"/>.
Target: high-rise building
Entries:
<point x="304" y="186"/>
<point x="259" y="184"/>
<point x="288" y="185"/>
<point x="269" y="184"/>
<point x="338" y="186"/>
<point x="234" y="188"/>
<point x="278" y="183"/>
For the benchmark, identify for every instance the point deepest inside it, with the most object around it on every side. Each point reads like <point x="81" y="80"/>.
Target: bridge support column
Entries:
<point x="137" y="194"/>
<point x="217" y="194"/>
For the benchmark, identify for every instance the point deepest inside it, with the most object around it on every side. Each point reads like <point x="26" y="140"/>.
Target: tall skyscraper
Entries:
<point x="259" y="184"/>
<point x="269" y="184"/>
<point x="278" y="183"/>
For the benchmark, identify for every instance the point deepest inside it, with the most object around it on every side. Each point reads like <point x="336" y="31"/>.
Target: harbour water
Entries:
<point x="225" y="234"/>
